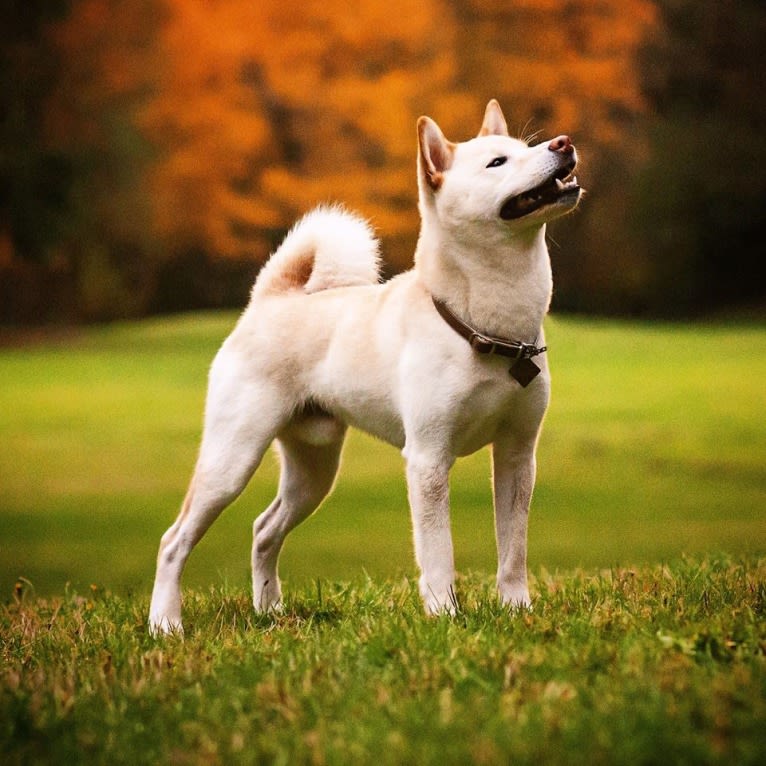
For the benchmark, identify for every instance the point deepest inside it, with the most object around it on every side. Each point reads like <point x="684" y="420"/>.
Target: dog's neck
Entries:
<point x="504" y="290"/>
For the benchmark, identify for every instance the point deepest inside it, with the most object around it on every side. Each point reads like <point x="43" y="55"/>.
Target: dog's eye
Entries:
<point x="497" y="162"/>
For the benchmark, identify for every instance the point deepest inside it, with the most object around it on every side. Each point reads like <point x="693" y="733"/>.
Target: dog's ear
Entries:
<point x="494" y="123"/>
<point x="436" y="153"/>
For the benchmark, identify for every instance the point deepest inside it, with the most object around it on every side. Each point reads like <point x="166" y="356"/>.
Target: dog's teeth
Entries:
<point x="573" y="182"/>
<point x="559" y="184"/>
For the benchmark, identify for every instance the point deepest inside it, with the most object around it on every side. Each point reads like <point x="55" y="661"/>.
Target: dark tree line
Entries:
<point x="701" y="198"/>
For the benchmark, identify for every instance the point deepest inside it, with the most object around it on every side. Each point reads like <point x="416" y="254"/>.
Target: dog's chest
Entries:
<point x="494" y="407"/>
<point x="470" y="405"/>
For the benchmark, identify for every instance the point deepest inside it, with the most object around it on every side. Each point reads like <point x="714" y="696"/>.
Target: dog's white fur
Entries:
<point x="323" y="345"/>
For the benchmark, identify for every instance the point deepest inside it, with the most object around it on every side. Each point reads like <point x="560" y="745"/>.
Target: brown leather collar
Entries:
<point x="486" y="344"/>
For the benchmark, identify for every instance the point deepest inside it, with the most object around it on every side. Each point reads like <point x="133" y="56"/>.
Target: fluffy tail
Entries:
<point x="329" y="247"/>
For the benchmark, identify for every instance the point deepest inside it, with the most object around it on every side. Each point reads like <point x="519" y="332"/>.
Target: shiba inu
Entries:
<point x="439" y="361"/>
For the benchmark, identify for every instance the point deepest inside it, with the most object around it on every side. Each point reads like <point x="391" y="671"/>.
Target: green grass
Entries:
<point x="653" y="447"/>
<point x="652" y="665"/>
<point x="646" y="645"/>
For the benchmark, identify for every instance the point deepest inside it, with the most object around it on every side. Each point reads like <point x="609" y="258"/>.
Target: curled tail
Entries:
<point x="329" y="247"/>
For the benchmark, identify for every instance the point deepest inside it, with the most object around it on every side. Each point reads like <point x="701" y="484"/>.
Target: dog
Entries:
<point x="439" y="361"/>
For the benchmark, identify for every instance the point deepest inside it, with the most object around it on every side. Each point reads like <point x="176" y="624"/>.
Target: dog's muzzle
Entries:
<point x="561" y="187"/>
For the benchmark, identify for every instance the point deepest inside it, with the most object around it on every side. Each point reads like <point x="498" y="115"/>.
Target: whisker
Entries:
<point x="526" y="137"/>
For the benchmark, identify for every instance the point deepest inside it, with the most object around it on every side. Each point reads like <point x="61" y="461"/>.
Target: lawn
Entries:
<point x="650" y="665"/>
<point x="653" y="447"/>
<point x="646" y="643"/>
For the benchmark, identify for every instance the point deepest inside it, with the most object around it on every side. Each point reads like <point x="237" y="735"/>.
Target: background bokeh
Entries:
<point x="153" y="152"/>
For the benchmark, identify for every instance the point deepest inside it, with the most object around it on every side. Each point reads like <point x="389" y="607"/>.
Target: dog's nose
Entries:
<point x="561" y="144"/>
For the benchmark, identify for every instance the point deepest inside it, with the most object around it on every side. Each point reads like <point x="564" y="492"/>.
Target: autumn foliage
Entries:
<point x="193" y="132"/>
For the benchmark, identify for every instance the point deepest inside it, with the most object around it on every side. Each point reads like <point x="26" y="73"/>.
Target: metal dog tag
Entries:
<point x="524" y="371"/>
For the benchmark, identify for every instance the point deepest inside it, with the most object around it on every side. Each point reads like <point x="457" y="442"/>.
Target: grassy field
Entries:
<point x="654" y="447"/>
<point x="653" y="665"/>
<point x="647" y="641"/>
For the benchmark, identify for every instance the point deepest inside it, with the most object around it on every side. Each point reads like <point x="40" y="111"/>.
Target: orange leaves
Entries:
<point x="259" y="110"/>
<point x="205" y="120"/>
<point x="572" y="67"/>
<point x="281" y="107"/>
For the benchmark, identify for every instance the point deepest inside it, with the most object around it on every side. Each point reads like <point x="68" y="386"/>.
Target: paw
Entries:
<point x="267" y="596"/>
<point x="162" y="625"/>
<point x="516" y="598"/>
<point x="437" y="608"/>
<point x="441" y="601"/>
<point x="165" y="611"/>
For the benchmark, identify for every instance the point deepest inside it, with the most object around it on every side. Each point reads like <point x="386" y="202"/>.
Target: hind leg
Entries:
<point x="239" y="426"/>
<point x="308" y="471"/>
<point x="205" y="499"/>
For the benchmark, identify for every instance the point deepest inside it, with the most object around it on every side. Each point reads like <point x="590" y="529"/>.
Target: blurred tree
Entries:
<point x="155" y="151"/>
<point x="701" y="199"/>
<point x="33" y="176"/>
<point x="210" y="128"/>
<point x="106" y="71"/>
<point x="557" y="66"/>
<point x="287" y="103"/>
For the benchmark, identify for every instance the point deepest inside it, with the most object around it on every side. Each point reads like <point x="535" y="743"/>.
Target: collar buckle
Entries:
<point x="509" y="348"/>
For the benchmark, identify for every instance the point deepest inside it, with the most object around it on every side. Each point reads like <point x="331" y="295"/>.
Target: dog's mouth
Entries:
<point x="561" y="186"/>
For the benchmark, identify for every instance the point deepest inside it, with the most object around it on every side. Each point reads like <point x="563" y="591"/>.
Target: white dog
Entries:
<point x="438" y="362"/>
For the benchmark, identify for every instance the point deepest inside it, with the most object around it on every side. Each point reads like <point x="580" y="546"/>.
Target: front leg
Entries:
<point x="513" y="474"/>
<point x="428" y="492"/>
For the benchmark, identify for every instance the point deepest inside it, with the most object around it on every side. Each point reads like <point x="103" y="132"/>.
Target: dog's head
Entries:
<point x="495" y="177"/>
